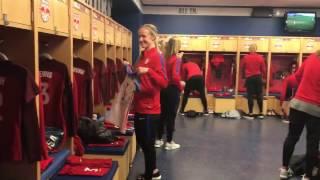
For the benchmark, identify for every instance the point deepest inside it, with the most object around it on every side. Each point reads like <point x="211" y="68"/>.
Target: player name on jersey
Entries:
<point x="79" y="71"/>
<point x="46" y="74"/>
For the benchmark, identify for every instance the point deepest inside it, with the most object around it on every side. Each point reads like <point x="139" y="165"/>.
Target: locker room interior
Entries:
<point x="71" y="66"/>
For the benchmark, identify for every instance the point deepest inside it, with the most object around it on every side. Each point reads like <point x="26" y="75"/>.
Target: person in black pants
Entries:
<point x="170" y="96"/>
<point x="254" y="69"/>
<point x="195" y="82"/>
<point x="304" y="112"/>
<point x="151" y="79"/>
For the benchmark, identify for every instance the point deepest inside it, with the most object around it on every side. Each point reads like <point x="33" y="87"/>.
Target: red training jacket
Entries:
<point x="173" y="71"/>
<point x="254" y="65"/>
<point x="189" y="70"/>
<point x="147" y="99"/>
<point x="309" y="78"/>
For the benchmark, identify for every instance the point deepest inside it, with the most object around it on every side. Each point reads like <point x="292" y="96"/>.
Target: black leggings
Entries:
<point x="170" y="98"/>
<point x="145" y="126"/>
<point x="254" y="86"/>
<point x="194" y="83"/>
<point x="298" y="120"/>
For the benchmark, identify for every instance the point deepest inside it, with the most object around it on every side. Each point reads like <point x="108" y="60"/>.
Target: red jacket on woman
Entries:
<point x="147" y="99"/>
<point x="254" y="65"/>
<point x="189" y="70"/>
<point x="309" y="78"/>
<point x="173" y="71"/>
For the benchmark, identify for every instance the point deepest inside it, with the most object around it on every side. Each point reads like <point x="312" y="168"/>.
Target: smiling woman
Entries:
<point x="152" y="78"/>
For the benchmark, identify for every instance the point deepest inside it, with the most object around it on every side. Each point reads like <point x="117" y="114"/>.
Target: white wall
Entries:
<point x="212" y="11"/>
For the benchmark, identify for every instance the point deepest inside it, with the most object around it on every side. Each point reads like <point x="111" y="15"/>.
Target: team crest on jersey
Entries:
<point x="76" y="21"/>
<point x="45" y="10"/>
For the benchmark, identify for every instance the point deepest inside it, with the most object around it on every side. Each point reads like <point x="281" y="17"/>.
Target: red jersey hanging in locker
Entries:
<point x="112" y="85"/>
<point x="99" y="82"/>
<point x="19" y="127"/>
<point x="82" y="72"/>
<point x="57" y="97"/>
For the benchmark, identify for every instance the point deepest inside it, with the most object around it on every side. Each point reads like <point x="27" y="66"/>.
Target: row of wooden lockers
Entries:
<point x="64" y="18"/>
<point x="241" y="43"/>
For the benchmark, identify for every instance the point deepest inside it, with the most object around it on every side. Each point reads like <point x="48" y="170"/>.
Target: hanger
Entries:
<point x="46" y="55"/>
<point x="75" y="55"/>
<point x="3" y="57"/>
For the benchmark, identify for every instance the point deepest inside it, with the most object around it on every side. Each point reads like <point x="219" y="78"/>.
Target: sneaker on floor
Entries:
<point x="305" y="178"/>
<point x="155" y="176"/>
<point x="206" y="113"/>
<point x="172" y="145"/>
<point x="158" y="143"/>
<point x="286" y="121"/>
<point x="285" y="173"/>
<point x="260" y="116"/>
<point x="249" y="116"/>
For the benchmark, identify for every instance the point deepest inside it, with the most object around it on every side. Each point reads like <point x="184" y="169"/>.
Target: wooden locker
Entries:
<point x="293" y="45"/>
<point x="261" y="42"/>
<point x="81" y="21"/>
<point x="230" y="44"/>
<point x="124" y="37"/>
<point x="61" y="16"/>
<point x="109" y="32"/>
<point x="185" y="43"/>
<point x="45" y="10"/>
<point x="278" y="45"/>
<point x="198" y="43"/>
<point x="98" y="27"/>
<point x="310" y="45"/>
<point x="285" y="45"/>
<point x="215" y="44"/>
<point x="16" y="14"/>
<point x="129" y="37"/>
<point x="118" y="35"/>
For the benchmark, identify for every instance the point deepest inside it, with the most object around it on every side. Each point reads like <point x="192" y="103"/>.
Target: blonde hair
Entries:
<point x="318" y="52"/>
<point x="253" y="48"/>
<point x="173" y="47"/>
<point x="153" y="30"/>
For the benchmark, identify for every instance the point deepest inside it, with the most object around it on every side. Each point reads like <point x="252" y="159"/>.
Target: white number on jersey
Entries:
<point x="44" y="92"/>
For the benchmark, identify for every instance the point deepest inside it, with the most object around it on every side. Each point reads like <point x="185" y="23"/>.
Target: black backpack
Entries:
<point x="93" y="132"/>
<point x="192" y="114"/>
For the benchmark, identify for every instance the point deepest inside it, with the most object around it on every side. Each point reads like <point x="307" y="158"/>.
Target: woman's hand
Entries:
<point x="182" y="83"/>
<point x="180" y="55"/>
<point x="142" y="70"/>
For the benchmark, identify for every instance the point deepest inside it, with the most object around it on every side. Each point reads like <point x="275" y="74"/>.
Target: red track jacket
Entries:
<point x="254" y="65"/>
<point x="147" y="98"/>
<point x="309" y="78"/>
<point x="173" y="71"/>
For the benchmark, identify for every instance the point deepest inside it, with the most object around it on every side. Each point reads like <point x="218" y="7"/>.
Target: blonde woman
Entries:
<point x="254" y="69"/>
<point x="151" y="79"/>
<point x="170" y="96"/>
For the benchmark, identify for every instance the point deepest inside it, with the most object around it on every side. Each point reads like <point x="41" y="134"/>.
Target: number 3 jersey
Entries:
<point x="57" y="97"/>
<point x="19" y="129"/>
